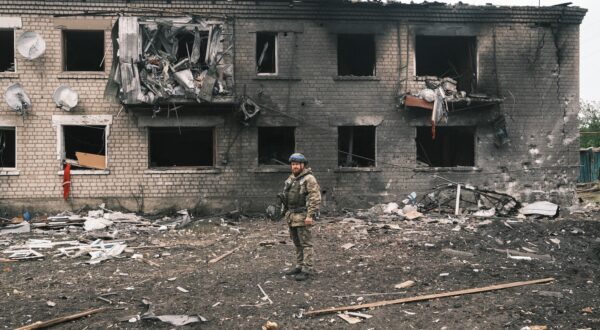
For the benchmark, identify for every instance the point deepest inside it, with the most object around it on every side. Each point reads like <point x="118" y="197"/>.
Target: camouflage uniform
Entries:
<point x="303" y="197"/>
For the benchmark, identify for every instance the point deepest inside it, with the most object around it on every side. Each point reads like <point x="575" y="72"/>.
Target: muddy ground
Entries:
<point x="227" y="295"/>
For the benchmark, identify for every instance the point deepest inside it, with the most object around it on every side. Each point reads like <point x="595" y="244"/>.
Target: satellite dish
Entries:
<point x="17" y="99"/>
<point x="31" y="45"/>
<point x="65" y="98"/>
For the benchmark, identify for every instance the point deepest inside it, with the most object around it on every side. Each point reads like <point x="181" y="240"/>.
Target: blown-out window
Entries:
<point x="181" y="146"/>
<point x="356" y="146"/>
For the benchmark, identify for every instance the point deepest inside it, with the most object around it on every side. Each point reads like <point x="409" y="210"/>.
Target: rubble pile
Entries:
<point x="164" y="59"/>
<point x="98" y="234"/>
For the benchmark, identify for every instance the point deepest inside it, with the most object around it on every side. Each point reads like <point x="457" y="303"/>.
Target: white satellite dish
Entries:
<point x="65" y="98"/>
<point x="31" y="45"/>
<point x="17" y="99"/>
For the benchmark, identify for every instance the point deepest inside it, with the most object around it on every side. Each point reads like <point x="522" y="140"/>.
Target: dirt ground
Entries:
<point x="386" y="252"/>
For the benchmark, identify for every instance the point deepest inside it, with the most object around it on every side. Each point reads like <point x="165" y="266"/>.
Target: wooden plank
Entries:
<point x="427" y="297"/>
<point x="413" y="101"/>
<point x="62" y="319"/>
<point x="217" y="259"/>
<point x="91" y="160"/>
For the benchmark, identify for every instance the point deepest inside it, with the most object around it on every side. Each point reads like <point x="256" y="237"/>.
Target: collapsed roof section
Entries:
<point x="177" y="60"/>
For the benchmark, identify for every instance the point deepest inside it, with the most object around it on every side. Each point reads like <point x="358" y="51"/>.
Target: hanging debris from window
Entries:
<point x="172" y="60"/>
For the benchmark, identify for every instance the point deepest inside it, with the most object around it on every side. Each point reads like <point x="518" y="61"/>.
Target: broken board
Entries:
<point x="91" y="160"/>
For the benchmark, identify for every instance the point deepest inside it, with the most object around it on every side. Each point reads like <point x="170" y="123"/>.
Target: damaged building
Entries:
<point x="149" y="105"/>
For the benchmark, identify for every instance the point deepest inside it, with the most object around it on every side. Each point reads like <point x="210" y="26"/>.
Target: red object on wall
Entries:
<point x="67" y="181"/>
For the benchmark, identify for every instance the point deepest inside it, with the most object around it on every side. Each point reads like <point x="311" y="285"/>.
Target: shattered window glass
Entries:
<point x="356" y="55"/>
<point x="181" y="146"/>
<point x="266" y="52"/>
<point x="83" y="50"/>
<point x="8" y="147"/>
<point x="7" y="51"/>
<point x="172" y="60"/>
<point x="453" y="57"/>
<point x="356" y="146"/>
<point x="275" y="145"/>
<point x="452" y="146"/>
<point x="86" y="140"/>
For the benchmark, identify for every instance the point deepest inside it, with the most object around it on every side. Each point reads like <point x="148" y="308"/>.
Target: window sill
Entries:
<point x="465" y="169"/>
<point x="9" y="75"/>
<point x="86" y="172"/>
<point x="188" y="170"/>
<point x="275" y="77"/>
<point x="9" y="172"/>
<point x="271" y="169"/>
<point x="356" y="169"/>
<point x="82" y="75"/>
<point x="356" y="78"/>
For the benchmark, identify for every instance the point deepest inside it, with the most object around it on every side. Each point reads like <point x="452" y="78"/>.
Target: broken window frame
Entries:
<point x="64" y="51"/>
<point x="213" y="130"/>
<point x="475" y="60"/>
<point x="350" y="156"/>
<point x="258" y="145"/>
<point x="338" y="55"/>
<point x="14" y="55"/>
<point x="14" y="129"/>
<point x="427" y="130"/>
<point x="59" y="121"/>
<point x="275" y="53"/>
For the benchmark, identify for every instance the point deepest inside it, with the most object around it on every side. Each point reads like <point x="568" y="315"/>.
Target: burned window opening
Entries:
<point x="266" y="52"/>
<point x="181" y="146"/>
<point x="453" y="146"/>
<point x="83" y="50"/>
<point x="8" y="147"/>
<point x="7" y="51"/>
<point x="356" y="55"/>
<point x="453" y="57"/>
<point x="275" y="145"/>
<point x="356" y="146"/>
<point x="83" y="139"/>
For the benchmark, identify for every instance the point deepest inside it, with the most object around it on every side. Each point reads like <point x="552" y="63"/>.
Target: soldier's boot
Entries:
<point x="302" y="276"/>
<point x="294" y="271"/>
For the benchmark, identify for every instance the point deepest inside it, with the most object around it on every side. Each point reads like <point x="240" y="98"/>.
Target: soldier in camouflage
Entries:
<point x="302" y="199"/>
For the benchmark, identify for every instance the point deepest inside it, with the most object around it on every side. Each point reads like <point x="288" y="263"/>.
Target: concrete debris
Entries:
<point x="160" y="61"/>
<point x="485" y="213"/>
<point x="269" y="325"/>
<point x="23" y="227"/>
<point x="350" y="319"/>
<point x="391" y="208"/>
<point x="443" y="199"/>
<point x="404" y="285"/>
<point x="540" y="208"/>
<point x="96" y="224"/>
<point x="175" y="320"/>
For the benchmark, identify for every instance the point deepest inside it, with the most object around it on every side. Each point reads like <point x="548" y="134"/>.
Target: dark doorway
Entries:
<point x="454" y="57"/>
<point x="181" y="146"/>
<point x="356" y="146"/>
<point x="453" y="146"/>
<point x="275" y="145"/>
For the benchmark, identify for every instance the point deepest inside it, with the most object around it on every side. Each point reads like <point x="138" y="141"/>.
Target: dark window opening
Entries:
<point x="83" y="50"/>
<point x="356" y="146"/>
<point x="275" y="145"/>
<point x="266" y="52"/>
<point x="8" y="147"/>
<point x="87" y="139"/>
<point x="356" y="55"/>
<point x="181" y="146"/>
<point x="185" y="46"/>
<point x="7" y="50"/>
<point x="454" y="57"/>
<point x="453" y="146"/>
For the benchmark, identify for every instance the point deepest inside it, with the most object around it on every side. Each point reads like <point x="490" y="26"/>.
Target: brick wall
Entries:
<point x="539" y="82"/>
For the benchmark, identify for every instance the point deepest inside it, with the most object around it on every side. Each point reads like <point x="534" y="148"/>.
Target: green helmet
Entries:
<point x="298" y="158"/>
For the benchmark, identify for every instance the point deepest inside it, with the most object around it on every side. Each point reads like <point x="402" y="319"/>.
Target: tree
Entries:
<point x="589" y="123"/>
